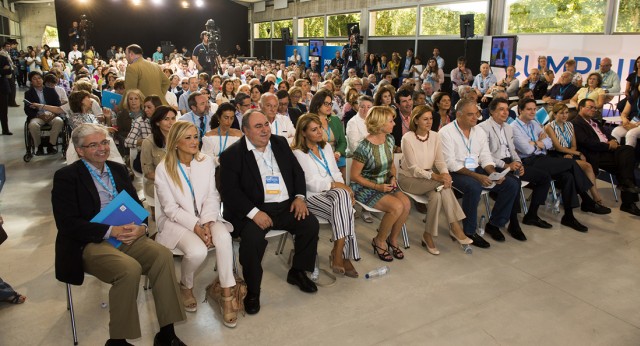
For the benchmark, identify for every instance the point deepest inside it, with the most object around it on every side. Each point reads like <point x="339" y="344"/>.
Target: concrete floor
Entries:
<point x="561" y="287"/>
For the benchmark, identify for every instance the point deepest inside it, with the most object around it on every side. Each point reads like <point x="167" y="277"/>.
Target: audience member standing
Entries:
<point x="144" y="75"/>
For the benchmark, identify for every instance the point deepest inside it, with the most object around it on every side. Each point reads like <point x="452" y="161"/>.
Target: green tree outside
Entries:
<point x="436" y="20"/>
<point x="628" y="16"/>
<point x="338" y="24"/>
<point x="277" y="25"/>
<point x="312" y="27"/>
<point x="556" y="16"/>
<point x="396" y="22"/>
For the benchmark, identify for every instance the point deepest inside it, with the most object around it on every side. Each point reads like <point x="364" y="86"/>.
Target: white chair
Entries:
<point x="613" y="184"/>
<point x="523" y="200"/>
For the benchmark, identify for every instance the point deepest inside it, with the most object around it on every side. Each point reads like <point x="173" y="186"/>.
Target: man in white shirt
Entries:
<point x="466" y="151"/>
<point x="280" y="125"/>
<point x="74" y="54"/>
<point x="484" y="81"/>
<point x="439" y="60"/>
<point x="610" y="79"/>
<point x="356" y="127"/>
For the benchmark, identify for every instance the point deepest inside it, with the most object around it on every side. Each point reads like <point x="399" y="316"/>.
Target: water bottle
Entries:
<point x="377" y="272"/>
<point x="481" y="223"/>
<point x="315" y="274"/>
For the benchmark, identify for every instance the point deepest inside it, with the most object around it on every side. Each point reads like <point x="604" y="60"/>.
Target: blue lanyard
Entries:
<point x="225" y="141"/>
<point x="200" y="128"/>
<point x="270" y="164"/>
<point x="328" y="132"/>
<point x="565" y="132"/>
<point x="193" y="195"/>
<point x="522" y="126"/>
<point x="324" y="163"/>
<point x="276" y="122"/>
<point x="455" y="123"/>
<point x="562" y="90"/>
<point x="113" y="192"/>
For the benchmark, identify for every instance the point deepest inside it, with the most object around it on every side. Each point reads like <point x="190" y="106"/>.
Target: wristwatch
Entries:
<point x="304" y="198"/>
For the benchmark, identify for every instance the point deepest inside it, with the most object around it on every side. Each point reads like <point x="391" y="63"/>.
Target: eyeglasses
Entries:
<point x="183" y="83"/>
<point x="328" y="104"/>
<point x="94" y="145"/>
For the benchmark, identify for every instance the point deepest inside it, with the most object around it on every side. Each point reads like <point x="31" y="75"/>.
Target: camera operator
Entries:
<point x="201" y="56"/>
<point x="351" y="55"/>
<point x="74" y="34"/>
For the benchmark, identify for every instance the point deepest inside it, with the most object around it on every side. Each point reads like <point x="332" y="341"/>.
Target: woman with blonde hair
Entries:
<point x="188" y="214"/>
<point x="327" y="195"/>
<point x="374" y="182"/>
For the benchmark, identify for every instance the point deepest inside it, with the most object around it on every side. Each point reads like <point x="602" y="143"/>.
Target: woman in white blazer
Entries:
<point x="188" y="214"/>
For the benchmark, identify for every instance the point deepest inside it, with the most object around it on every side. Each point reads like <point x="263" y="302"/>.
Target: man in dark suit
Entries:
<point x="5" y="91"/>
<point x="42" y="105"/>
<point x="284" y="109"/>
<point x="80" y="191"/>
<point x="404" y="102"/>
<point x="603" y="151"/>
<point x="404" y="69"/>
<point x="263" y="187"/>
<point x="535" y="83"/>
<point x="242" y="102"/>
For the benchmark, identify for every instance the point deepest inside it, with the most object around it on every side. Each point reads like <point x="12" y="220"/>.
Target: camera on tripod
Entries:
<point x="214" y="34"/>
<point x="354" y="29"/>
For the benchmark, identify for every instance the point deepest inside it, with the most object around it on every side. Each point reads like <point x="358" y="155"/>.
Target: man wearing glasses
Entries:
<point x="610" y="79"/>
<point x="243" y="104"/>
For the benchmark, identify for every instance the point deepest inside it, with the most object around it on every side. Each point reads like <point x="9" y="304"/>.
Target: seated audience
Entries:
<point x="404" y="102"/>
<point x="576" y="78"/>
<point x="280" y="125"/>
<point x="183" y="101"/>
<point x="374" y="182"/>
<point x="284" y="110"/>
<point x="592" y="91"/>
<point x="484" y="81"/>
<point x="333" y="130"/>
<point x="130" y="109"/>
<point x="562" y="91"/>
<point x="536" y="84"/>
<point x="610" y="79"/>
<point x="433" y="74"/>
<point x="199" y="114"/>
<point x="630" y="117"/>
<point x="443" y="113"/>
<point x="42" y="106"/>
<point x="141" y="127"/>
<point x="510" y="84"/>
<point x="384" y="96"/>
<point x="222" y="135"/>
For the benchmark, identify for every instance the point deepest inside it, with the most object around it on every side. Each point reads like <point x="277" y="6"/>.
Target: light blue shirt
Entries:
<point x="484" y="83"/>
<point x="523" y="133"/>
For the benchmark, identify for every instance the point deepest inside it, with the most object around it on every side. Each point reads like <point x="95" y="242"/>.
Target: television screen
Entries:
<point x="503" y="51"/>
<point x="315" y="47"/>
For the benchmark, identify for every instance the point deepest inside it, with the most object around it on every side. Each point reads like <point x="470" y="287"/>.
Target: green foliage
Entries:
<point x="50" y="37"/>
<point x="261" y="30"/>
<point x="397" y="22"/>
<point x="628" y="16"/>
<point x="436" y="20"/>
<point x="338" y="23"/>
<point x="557" y="16"/>
<point x="277" y="25"/>
<point x="312" y="27"/>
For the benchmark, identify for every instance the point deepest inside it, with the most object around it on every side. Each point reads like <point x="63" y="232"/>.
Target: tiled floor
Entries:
<point x="560" y="287"/>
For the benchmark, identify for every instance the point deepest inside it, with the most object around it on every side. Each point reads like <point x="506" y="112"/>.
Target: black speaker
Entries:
<point x="466" y="25"/>
<point x="167" y="47"/>
<point x="286" y="35"/>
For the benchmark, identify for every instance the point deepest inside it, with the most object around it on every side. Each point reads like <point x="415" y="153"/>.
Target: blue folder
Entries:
<point x="110" y="99"/>
<point x="122" y="210"/>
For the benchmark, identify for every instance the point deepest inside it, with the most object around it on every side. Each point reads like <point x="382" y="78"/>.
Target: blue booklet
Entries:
<point x="122" y="210"/>
<point x="110" y="99"/>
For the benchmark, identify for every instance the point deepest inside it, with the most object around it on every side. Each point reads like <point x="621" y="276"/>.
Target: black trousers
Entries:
<point x="621" y="162"/>
<point x="253" y="244"/>
<point x="4" y="112"/>
<point x="566" y="172"/>
<point x="539" y="182"/>
<point x="12" y="95"/>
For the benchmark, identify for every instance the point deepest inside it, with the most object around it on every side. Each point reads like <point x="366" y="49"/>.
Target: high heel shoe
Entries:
<point x="382" y="253"/>
<point x="395" y="250"/>
<point x="335" y="269"/>
<point x="465" y="241"/>
<point x="229" y="318"/>
<point x="352" y="273"/>
<point x="431" y="250"/>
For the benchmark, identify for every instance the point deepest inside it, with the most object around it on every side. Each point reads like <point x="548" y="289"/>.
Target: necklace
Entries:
<point x="420" y="139"/>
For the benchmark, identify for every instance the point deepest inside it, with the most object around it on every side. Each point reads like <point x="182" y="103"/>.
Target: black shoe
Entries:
<point x="494" y="232"/>
<point x="516" y="233"/>
<point x="7" y="133"/>
<point x="51" y="150"/>
<point x="573" y="223"/>
<point x="300" y="279"/>
<point x="117" y="342"/>
<point x="630" y="188"/>
<point x="630" y="208"/>
<point x="595" y="208"/>
<point x="252" y="304"/>
<point x="479" y="241"/>
<point x="175" y="341"/>
<point x="14" y="105"/>
<point x="536" y="221"/>
<point x="40" y="151"/>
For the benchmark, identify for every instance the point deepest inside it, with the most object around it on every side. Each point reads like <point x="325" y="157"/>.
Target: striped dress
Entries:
<point x="564" y="133"/>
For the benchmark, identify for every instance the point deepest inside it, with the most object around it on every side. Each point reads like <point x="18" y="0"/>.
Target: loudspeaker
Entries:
<point x="286" y="35"/>
<point x="167" y="47"/>
<point x="466" y="25"/>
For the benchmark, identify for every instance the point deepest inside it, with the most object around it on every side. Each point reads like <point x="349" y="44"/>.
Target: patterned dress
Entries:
<point x="377" y="160"/>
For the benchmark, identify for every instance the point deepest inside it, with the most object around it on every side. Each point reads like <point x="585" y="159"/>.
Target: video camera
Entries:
<point x="354" y="29"/>
<point x="215" y="36"/>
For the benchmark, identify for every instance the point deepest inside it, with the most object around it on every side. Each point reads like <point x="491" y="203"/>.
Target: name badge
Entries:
<point x="559" y="97"/>
<point x="350" y="58"/>
<point x="272" y="185"/>
<point x="470" y="163"/>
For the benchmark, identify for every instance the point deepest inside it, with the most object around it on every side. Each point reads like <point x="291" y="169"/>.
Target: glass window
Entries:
<point x="445" y="19"/>
<point x="50" y="37"/>
<point x="396" y="22"/>
<point x="277" y="25"/>
<point x="544" y="16"/>
<point x="628" y="16"/>
<point x="262" y="30"/>
<point x="338" y="23"/>
<point x="311" y="27"/>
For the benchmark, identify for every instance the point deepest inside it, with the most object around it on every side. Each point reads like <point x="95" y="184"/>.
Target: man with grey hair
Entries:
<point x="427" y="87"/>
<point x="117" y="255"/>
<point x="562" y="91"/>
<point x="610" y="79"/>
<point x="280" y="125"/>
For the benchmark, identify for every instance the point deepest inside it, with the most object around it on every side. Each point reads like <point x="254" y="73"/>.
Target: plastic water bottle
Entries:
<point x="481" y="224"/>
<point x="315" y="274"/>
<point x="377" y="272"/>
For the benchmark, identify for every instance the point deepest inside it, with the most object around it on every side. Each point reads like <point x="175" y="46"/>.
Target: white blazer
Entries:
<point x="175" y="213"/>
<point x="315" y="175"/>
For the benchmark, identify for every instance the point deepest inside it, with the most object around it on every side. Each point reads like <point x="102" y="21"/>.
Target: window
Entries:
<point x="50" y="37"/>
<point x="262" y="30"/>
<point x="277" y="25"/>
<point x="338" y="23"/>
<point x="311" y="27"/>
<point x="445" y="19"/>
<point x="544" y="16"/>
<point x="628" y="16"/>
<point x="396" y="22"/>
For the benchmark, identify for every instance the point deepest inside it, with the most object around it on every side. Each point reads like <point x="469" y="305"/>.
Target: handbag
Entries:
<point x="238" y="292"/>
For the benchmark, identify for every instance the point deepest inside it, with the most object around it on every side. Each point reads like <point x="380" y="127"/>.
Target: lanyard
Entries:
<point x="562" y="90"/>
<point x="455" y="123"/>
<point x="270" y="164"/>
<point x="275" y="122"/>
<point x="523" y="125"/>
<point x="566" y="134"/>
<point x="113" y="192"/>
<point x="226" y="137"/>
<point x="201" y="128"/>
<point x="324" y="163"/>
<point x="193" y="195"/>
<point x="328" y="132"/>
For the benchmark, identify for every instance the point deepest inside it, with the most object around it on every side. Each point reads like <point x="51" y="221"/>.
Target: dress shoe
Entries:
<point x="631" y="189"/>
<point x="536" y="221"/>
<point x="14" y="105"/>
<point x="117" y="342"/>
<point x="630" y="208"/>
<point x="595" y="208"/>
<point x="516" y="233"/>
<point x="479" y="241"/>
<point x="252" y="304"/>
<point x="573" y="223"/>
<point x="300" y="279"/>
<point x="8" y="133"/>
<point x="51" y="150"/>
<point x="40" y="151"/>
<point x="175" y="341"/>
<point x="494" y="232"/>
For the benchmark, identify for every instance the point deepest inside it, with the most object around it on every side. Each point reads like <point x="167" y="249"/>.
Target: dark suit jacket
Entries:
<point x="397" y="128"/>
<point x="403" y="61"/>
<point x="588" y="142"/>
<point x="294" y="114"/>
<point x="242" y="188"/>
<point x="540" y="89"/>
<point x="51" y="98"/>
<point x="75" y="201"/>
<point x="436" y="120"/>
<point x="5" y="71"/>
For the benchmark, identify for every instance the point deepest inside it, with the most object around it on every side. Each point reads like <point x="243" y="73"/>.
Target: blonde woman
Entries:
<point x="188" y="210"/>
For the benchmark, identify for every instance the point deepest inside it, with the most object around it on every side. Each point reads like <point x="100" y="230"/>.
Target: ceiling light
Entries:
<point x="136" y="2"/>
<point x="199" y="3"/>
<point x="185" y="4"/>
<point x="156" y="2"/>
